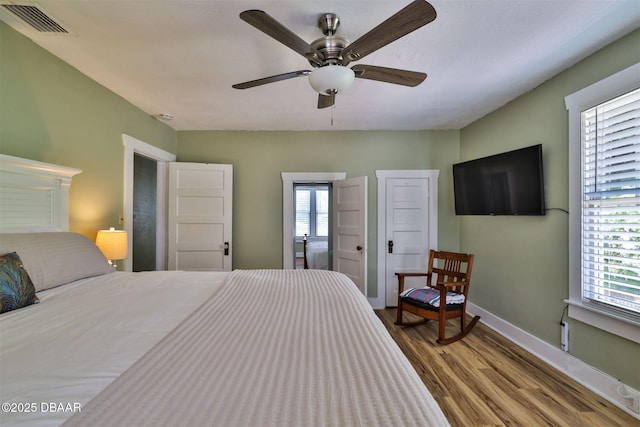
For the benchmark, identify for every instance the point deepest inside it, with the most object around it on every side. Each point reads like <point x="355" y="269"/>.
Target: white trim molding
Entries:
<point x="619" y="326"/>
<point x="134" y="146"/>
<point x="288" y="224"/>
<point x="595" y="380"/>
<point x="588" y="97"/>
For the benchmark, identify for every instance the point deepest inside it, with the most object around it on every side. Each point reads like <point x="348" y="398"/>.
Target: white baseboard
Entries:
<point x="595" y="380"/>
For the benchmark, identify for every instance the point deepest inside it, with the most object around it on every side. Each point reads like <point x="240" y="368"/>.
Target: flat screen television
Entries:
<point x="509" y="183"/>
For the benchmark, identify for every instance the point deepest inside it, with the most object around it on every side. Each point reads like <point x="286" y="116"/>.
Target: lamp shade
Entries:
<point x="331" y="79"/>
<point x="113" y="243"/>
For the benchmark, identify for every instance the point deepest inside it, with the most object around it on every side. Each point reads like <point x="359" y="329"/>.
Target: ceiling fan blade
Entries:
<point x="272" y="79"/>
<point x="265" y="23"/>
<point x="417" y="14"/>
<point x="389" y="75"/>
<point x="325" y="101"/>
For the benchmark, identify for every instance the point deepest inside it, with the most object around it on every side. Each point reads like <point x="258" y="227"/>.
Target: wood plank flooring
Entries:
<point x="486" y="380"/>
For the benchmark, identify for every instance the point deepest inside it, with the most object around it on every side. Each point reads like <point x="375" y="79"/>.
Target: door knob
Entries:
<point x="390" y="246"/>
<point x="226" y="248"/>
<point x="358" y="248"/>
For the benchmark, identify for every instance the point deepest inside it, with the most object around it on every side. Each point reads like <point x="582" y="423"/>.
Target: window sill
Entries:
<point x="607" y="322"/>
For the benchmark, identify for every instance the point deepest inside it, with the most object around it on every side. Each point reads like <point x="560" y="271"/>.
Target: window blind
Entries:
<point x="322" y="213"/>
<point x="303" y="212"/>
<point x="312" y="210"/>
<point x="611" y="205"/>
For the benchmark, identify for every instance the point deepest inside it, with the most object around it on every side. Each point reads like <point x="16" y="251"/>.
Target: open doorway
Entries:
<point x="134" y="147"/>
<point x="289" y="181"/>
<point x="348" y="222"/>
<point x="312" y="225"/>
<point x="143" y="236"/>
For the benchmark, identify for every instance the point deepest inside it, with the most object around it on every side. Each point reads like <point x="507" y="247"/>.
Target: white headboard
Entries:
<point x="34" y="195"/>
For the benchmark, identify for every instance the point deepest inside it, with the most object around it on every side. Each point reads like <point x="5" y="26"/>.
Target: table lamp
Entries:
<point x="113" y="244"/>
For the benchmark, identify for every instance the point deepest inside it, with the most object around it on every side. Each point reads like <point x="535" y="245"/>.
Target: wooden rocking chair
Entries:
<point x="448" y="279"/>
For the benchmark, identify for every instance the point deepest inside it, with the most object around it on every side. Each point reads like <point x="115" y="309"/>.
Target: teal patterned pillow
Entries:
<point x="16" y="288"/>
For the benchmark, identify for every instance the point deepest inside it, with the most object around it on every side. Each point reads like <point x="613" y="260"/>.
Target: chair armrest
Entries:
<point x="412" y="274"/>
<point x="401" y="277"/>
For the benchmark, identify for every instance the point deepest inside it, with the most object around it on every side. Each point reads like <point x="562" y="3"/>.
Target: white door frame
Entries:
<point x="134" y="146"/>
<point x="288" y="225"/>
<point x="382" y="175"/>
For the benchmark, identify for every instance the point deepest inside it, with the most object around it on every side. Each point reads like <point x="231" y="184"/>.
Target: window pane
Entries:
<point x="322" y="213"/>
<point x="611" y="203"/>
<point x="303" y="199"/>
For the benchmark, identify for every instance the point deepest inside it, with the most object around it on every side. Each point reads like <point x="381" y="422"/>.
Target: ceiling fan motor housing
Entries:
<point x="330" y="45"/>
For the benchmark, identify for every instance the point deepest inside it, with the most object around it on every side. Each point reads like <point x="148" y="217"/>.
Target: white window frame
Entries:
<point x="597" y="93"/>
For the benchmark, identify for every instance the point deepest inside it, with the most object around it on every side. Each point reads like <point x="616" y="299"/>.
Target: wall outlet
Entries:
<point x="121" y="219"/>
<point x="564" y="337"/>
<point x="634" y="403"/>
<point x="631" y="398"/>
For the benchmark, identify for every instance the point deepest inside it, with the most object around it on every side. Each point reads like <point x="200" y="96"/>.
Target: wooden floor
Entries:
<point x="486" y="380"/>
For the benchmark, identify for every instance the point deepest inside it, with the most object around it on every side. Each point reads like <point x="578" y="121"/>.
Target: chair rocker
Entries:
<point x="448" y="279"/>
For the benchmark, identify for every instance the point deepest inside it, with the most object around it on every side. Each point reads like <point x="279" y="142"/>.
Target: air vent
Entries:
<point x="35" y="17"/>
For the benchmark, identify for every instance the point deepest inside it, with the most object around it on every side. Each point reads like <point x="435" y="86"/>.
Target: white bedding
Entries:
<point x="272" y="348"/>
<point x="318" y="255"/>
<point x="83" y="335"/>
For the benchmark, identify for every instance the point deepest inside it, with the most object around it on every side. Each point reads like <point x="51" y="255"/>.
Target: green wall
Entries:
<point x="521" y="269"/>
<point x="258" y="159"/>
<point x="51" y="112"/>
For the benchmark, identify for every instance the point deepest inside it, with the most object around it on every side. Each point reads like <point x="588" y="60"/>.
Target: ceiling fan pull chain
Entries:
<point x="333" y="107"/>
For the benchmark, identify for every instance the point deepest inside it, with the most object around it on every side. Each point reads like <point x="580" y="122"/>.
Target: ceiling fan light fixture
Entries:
<point x="331" y="79"/>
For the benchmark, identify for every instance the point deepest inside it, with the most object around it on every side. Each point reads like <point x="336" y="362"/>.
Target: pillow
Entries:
<point x="430" y="296"/>
<point x="54" y="259"/>
<point x="16" y="288"/>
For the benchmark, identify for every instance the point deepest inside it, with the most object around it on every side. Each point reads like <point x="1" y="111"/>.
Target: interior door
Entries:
<point x="407" y="232"/>
<point x="350" y="229"/>
<point x="199" y="218"/>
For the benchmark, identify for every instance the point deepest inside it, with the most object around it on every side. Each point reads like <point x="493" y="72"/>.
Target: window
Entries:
<point x="312" y="210"/>
<point x="611" y="204"/>
<point x="604" y="204"/>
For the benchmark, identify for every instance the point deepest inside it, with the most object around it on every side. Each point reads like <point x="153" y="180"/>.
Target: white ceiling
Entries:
<point x="182" y="56"/>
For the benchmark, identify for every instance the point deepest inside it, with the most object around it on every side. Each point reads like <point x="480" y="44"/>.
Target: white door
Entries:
<point x="200" y="209"/>
<point x="407" y="233"/>
<point x="350" y="229"/>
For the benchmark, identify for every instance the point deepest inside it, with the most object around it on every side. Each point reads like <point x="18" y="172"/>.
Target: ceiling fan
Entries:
<point x="330" y="55"/>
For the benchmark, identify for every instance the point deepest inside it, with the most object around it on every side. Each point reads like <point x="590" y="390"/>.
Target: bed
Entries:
<point x="179" y="348"/>
<point x="315" y="253"/>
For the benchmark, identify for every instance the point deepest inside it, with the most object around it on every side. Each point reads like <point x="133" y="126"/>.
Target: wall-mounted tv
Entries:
<point x="509" y="183"/>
